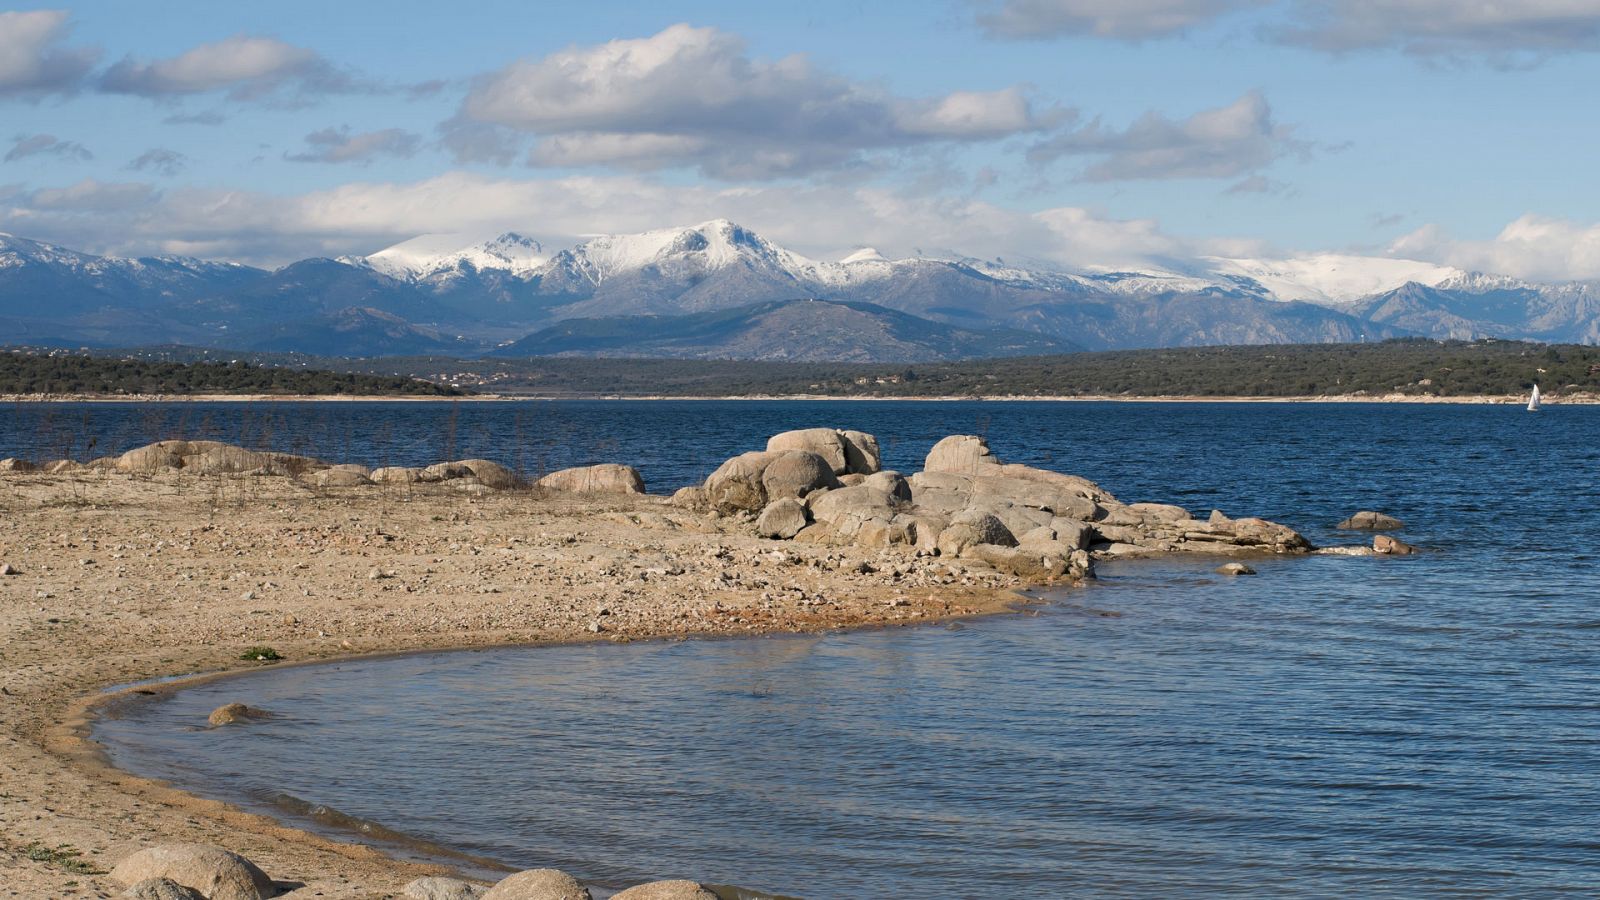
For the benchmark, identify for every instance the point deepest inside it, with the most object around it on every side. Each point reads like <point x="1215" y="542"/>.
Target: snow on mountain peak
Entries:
<point x="865" y="254"/>
<point x="430" y="254"/>
<point x="1332" y="277"/>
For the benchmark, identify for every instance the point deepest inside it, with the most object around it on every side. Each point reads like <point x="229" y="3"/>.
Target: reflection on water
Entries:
<point x="1333" y="726"/>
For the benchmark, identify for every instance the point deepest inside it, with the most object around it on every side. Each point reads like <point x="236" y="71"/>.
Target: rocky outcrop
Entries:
<point x="212" y="458"/>
<point x="966" y="503"/>
<point x="343" y="476"/>
<point x="538" y="884"/>
<point x="846" y="452"/>
<point x="667" y="890"/>
<point x="437" y="887"/>
<point x="396" y="475"/>
<point x="605" y="478"/>
<point x="17" y="465"/>
<point x="214" y="872"/>
<point x="1367" y="520"/>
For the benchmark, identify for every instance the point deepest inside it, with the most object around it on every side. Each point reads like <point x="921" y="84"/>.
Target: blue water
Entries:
<point x="1334" y="726"/>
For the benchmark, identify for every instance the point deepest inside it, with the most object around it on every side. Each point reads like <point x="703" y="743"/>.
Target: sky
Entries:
<point x="1090" y="133"/>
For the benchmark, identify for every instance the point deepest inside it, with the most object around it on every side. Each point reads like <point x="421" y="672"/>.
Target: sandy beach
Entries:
<point x="121" y="578"/>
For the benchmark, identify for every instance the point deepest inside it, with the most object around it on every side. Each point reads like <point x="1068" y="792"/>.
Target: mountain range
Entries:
<point x="719" y="290"/>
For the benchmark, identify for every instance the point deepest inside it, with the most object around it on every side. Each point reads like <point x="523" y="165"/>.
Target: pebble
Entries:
<point x="9" y="569"/>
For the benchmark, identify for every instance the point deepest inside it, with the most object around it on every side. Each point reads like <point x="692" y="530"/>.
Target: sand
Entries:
<point x="126" y="578"/>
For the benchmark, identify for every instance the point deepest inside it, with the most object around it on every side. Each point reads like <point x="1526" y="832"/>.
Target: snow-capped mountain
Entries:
<point x="433" y="254"/>
<point x="452" y="291"/>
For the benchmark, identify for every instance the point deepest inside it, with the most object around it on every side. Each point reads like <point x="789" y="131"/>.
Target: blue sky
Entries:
<point x="1088" y="132"/>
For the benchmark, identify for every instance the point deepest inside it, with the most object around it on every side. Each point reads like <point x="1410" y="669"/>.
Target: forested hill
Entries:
<point x="23" y="372"/>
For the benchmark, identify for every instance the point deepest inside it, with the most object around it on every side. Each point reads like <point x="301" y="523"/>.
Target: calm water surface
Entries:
<point x="1334" y="726"/>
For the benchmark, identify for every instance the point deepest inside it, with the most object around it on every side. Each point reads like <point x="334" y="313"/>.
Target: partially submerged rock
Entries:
<point x="1367" y="520"/>
<point x="215" y="873"/>
<point x="1385" y="545"/>
<point x="605" y="478"/>
<point x="667" y="890"/>
<point x="1235" y="568"/>
<point x="438" y="887"/>
<point x="538" y="884"/>
<point x="229" y="713"/>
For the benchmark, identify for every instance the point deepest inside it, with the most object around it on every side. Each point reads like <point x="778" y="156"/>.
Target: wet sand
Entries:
<point x="122" y="578"/>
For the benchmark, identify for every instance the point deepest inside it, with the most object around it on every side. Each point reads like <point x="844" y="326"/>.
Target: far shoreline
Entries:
<point x="1581" y="399"/>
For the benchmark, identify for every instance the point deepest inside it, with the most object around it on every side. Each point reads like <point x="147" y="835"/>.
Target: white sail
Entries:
<point x="1533" y="400"/>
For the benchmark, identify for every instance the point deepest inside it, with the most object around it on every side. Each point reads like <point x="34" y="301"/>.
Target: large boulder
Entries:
<point x="667" y="890"/>
<point x="847" y="452"/>
<point x="861" y="453"/>
<point x="824" y="442"/>
<point x="796" y="473"/>
<point x="342" y="476"/>
<point x="538" y="884"/>
<point x="437" y="887"/>
<point x="736" y="484"/>
<point x="396" y="475"/>
<point x="491" y="474"/>
<point x="605" y="478"/>
<point x="783" y="518"/>
<point x="989" y="527"/>
<point x="846" y="509"/>
<point x="892" y="483"/>
<point x="159" y="889"/>
<point x="960" y="454"/>
<point x="211" y="458"/>
<point x="214" y="872"/>
<point x="1367" y="520"/>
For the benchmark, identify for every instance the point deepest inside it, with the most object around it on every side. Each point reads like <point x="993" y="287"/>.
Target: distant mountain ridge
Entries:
<point x="437" y="293"/>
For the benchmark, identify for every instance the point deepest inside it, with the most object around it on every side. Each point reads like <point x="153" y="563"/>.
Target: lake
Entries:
<point x="1333" y="726"/>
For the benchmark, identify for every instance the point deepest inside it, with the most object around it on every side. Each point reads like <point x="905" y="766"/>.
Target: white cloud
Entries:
<point x="692" y="97"/>
<point x="26" y="145"/>
<point x="1130" y="20"/>
<point x="1502" y="32"/>
<point x="248" y="68"/>
<point x="824" y="220"/>
<point x="91" y="196"/>
<point x="31" y="61"/>
<point x="1505" y="32"/>
<point x="1225" y="142"/>
<point x="1538" y="248"/>
<point x="336" y="145"/>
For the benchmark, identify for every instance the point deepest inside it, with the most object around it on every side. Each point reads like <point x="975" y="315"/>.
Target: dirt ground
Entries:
<point x="117" y="578"/>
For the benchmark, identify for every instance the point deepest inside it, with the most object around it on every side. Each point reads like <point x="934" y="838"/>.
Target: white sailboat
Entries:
<point x="1533" y="400"/>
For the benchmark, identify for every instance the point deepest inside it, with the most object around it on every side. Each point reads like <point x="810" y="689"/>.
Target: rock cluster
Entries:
<point x="207" y="872"/>
<point x="210" y="871"/>
<point x="216" y="458"/>
<point x="825" y="486"/>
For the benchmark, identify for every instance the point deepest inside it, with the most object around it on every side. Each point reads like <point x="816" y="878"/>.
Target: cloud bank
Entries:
<point x="693" y="97"/>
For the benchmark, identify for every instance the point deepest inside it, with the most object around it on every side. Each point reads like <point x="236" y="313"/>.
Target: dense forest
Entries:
<point x="23" y="372"/>
<point x="1416" y="367"/>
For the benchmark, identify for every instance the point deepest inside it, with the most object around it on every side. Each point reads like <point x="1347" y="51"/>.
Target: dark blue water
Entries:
<point x="1334" y="726"/>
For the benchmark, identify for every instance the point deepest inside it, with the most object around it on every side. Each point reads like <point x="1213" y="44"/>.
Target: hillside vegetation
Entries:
<point x="23" y="372"/>
<point x="1417" y="367"/>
